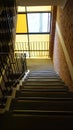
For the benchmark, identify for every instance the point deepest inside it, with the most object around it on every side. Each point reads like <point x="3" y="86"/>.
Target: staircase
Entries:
<point x="43" y="102"/>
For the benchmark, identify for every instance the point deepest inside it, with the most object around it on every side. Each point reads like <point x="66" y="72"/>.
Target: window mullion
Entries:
<point x="27" y="31"/>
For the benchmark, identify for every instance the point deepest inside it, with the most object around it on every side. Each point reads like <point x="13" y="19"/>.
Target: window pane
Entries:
<point x="21" y="45"/>
<point x="38" y="8"/>
<point x="39" y="44"/>
<point x="34" y="8"/>
<point x="21" y="24"/>
<point x="39" y="37"/>
<point x="21" y="38"/>
<point x="38" y="22"/>
<point x="21" y="8"/>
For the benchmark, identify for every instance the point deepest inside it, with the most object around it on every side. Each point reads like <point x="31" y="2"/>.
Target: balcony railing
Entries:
<point x="32" y="49"/>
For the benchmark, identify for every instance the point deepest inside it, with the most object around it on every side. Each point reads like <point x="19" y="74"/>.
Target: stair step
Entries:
<point x="43" y="71"/>
<point x="50" y="105"/>
<point x="36" y="120"/>
<point x="44" y="76"/>
<point x="43" y="83"/>
<point x="42" y="79"/>
<point x="45" y="90"/>
<point x="42" y="113"/>
<point x="50" y="87"/>
<point x="42" y="94"/>
<point x="45" y="98"/>
<point x="40" y="74"/>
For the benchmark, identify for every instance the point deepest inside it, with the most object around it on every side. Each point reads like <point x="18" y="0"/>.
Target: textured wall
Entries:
<point x="60" y="62"/>
<point x="65" y="23"/>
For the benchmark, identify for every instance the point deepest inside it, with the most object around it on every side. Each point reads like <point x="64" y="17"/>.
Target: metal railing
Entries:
<point x="33" y="49"/>
<point x="11" y="70"/>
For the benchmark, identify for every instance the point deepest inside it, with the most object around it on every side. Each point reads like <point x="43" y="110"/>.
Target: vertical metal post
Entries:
<point x="28" y="32"/>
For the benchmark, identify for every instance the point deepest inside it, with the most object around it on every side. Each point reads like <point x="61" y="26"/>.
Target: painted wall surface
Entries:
<point x="63" y="44"/>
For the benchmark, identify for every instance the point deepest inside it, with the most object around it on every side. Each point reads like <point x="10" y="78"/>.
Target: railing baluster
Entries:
<point x="37" y="48"/>
<point x="11" y="67"/>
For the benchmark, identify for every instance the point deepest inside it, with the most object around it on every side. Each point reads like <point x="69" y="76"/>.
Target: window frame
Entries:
<point x="26" y="12"/>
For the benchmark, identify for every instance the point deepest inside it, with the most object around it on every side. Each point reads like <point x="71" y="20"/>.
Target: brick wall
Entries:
<point x="65" y="23"/>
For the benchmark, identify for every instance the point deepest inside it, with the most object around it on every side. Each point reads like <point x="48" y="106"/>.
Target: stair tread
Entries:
<point x="46" y="79"/>
<point x="42" y="112"/>
<point x="40" y="88"/>
<point x="43" y="94"/>
<point x="45" y="98"/>
<point x="43" y="90"/>
<point x="43" y="83"/>
<point x="51" y="105"/>
<point x="43" y="77"/>
<point x="43" y="86"/>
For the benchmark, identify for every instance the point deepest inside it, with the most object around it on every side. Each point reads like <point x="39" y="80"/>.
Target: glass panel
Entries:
<point x="39" y="22"/>
<point x="39" y="45"/>
<point x="22" y="38"/>
<point x="21" y="42"/>
<point x="39" y="37"/>
<point x="21" y="8"/>
<point x="21" y="45"/>
<point x="21" y="24"/>
<point x="38" y="8"/>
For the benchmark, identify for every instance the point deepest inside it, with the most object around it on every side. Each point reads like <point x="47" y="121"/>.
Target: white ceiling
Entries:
<point x="41" y="2"/>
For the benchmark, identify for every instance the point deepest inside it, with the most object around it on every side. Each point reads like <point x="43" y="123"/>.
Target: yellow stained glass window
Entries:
<point x="21" y="24"/>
